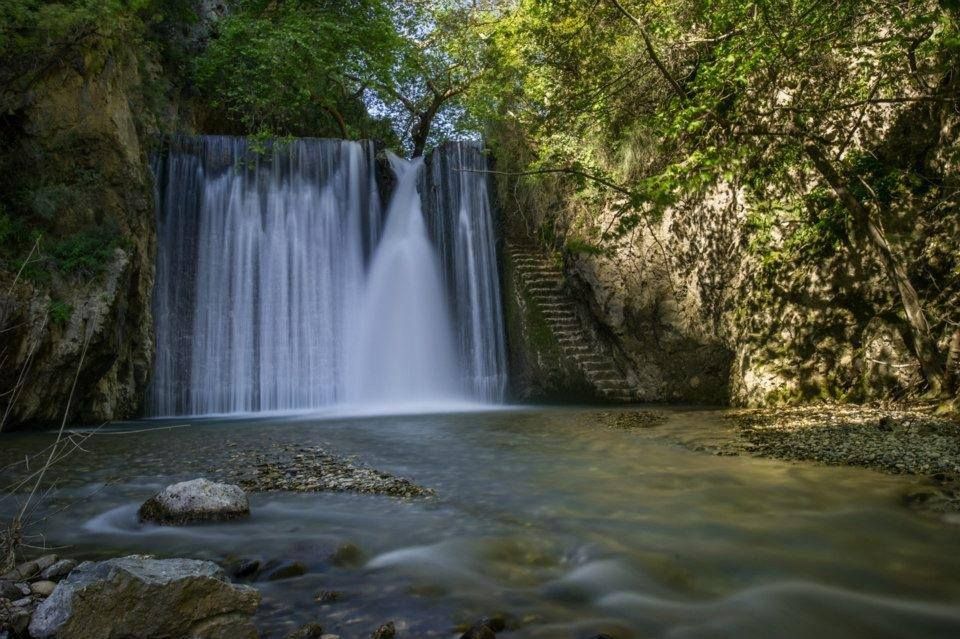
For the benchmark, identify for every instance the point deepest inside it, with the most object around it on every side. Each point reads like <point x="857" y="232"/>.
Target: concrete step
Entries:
<point x="543" y="280"/>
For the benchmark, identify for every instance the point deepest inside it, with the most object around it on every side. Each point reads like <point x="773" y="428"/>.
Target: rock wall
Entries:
<point x="81" y="129"/>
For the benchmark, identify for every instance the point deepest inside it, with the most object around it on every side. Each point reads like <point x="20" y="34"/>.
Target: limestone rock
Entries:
<point x="195" y="500"/>
<point x="139" y="597"/>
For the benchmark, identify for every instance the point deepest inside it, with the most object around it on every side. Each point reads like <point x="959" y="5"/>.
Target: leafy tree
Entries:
<point x="443" y="56"/>
<point x="687" y="93"/>
<point x="297" y="67"/>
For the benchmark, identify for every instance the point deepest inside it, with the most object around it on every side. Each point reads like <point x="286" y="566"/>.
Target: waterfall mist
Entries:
<point x="275" y="290"/>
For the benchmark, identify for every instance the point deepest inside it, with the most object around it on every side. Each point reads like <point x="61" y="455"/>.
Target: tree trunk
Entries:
<point x="951" y="379"/>
<point x="341" y="124"/>
<point x="868" y="230"/>
<point x="420" y="139"/>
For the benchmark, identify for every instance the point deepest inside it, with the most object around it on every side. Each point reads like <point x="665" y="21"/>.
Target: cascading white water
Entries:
<point x="405" y="352"/>
<point x="259" y="271"/>
<point x="274" y="289"/>
<point x="462" y="225"/>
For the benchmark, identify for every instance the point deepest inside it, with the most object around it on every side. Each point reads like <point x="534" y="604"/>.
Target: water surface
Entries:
<point x="568" y="526"/>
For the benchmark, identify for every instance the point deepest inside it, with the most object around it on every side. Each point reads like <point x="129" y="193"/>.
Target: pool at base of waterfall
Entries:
<point x="556" y="519"/>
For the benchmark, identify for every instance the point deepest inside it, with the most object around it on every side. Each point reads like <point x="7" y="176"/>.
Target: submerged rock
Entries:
<point x="141" y="598"/>
<point x="307" y="631"/>
<point x="386" y="631"/>
<point x="288" y="571"/>
<point x="485" y="628"/>
<point x="195" y="500"/>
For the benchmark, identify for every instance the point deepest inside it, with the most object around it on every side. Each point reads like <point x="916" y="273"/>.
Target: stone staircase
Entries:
<point x="543" y="282"/>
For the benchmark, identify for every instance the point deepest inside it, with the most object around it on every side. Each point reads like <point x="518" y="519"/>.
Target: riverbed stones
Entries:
<point x="139" y="597"/>
<point x="314" y="469"/>
<point x="902" y="441"/>
<point x="193" y="501"/>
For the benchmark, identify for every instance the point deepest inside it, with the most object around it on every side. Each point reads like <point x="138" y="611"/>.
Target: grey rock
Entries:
<point x="23" y="602"/>
<point x="195" y="500"/>
<point x="45" y="562"/>
<point x="59" y="570"/>
<point x="139" y="597"/>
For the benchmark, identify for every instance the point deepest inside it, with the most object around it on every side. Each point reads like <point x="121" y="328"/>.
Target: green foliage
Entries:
<point x="295" y="67"/>
<point x="724" y="90"/>
<point x="85" y="253"/>
<point x="580" y="245"/>
<point x="60" y="312"/>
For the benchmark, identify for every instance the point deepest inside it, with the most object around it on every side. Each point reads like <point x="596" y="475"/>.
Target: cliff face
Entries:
<point x="713" y="302"/>
<point x="79" y="308"/>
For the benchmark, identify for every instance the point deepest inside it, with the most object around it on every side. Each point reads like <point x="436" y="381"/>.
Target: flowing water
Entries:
<point x="404" y="351"/>
<point x="282" y="286"/>
<point x="568" y="526"/>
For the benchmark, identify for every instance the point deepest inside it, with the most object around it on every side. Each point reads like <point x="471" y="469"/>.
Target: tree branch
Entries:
<point x="648" y="44"/>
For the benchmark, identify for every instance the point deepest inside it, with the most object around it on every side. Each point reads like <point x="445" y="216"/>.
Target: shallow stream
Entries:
<point x="553" y="517"/>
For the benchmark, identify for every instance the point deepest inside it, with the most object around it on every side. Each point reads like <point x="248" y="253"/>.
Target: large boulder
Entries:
<point x="139" y="597"/>
<point x="195" y="500"/>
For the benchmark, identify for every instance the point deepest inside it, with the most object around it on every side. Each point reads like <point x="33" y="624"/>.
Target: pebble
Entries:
<point x="42" y="588"/>
<point x="904" y="441"/>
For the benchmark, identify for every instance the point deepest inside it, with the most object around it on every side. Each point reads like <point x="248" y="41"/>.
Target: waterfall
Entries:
<point x="405" y="352"/>
<point x="462" y="224"/>
<point x="275" y="290"/>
